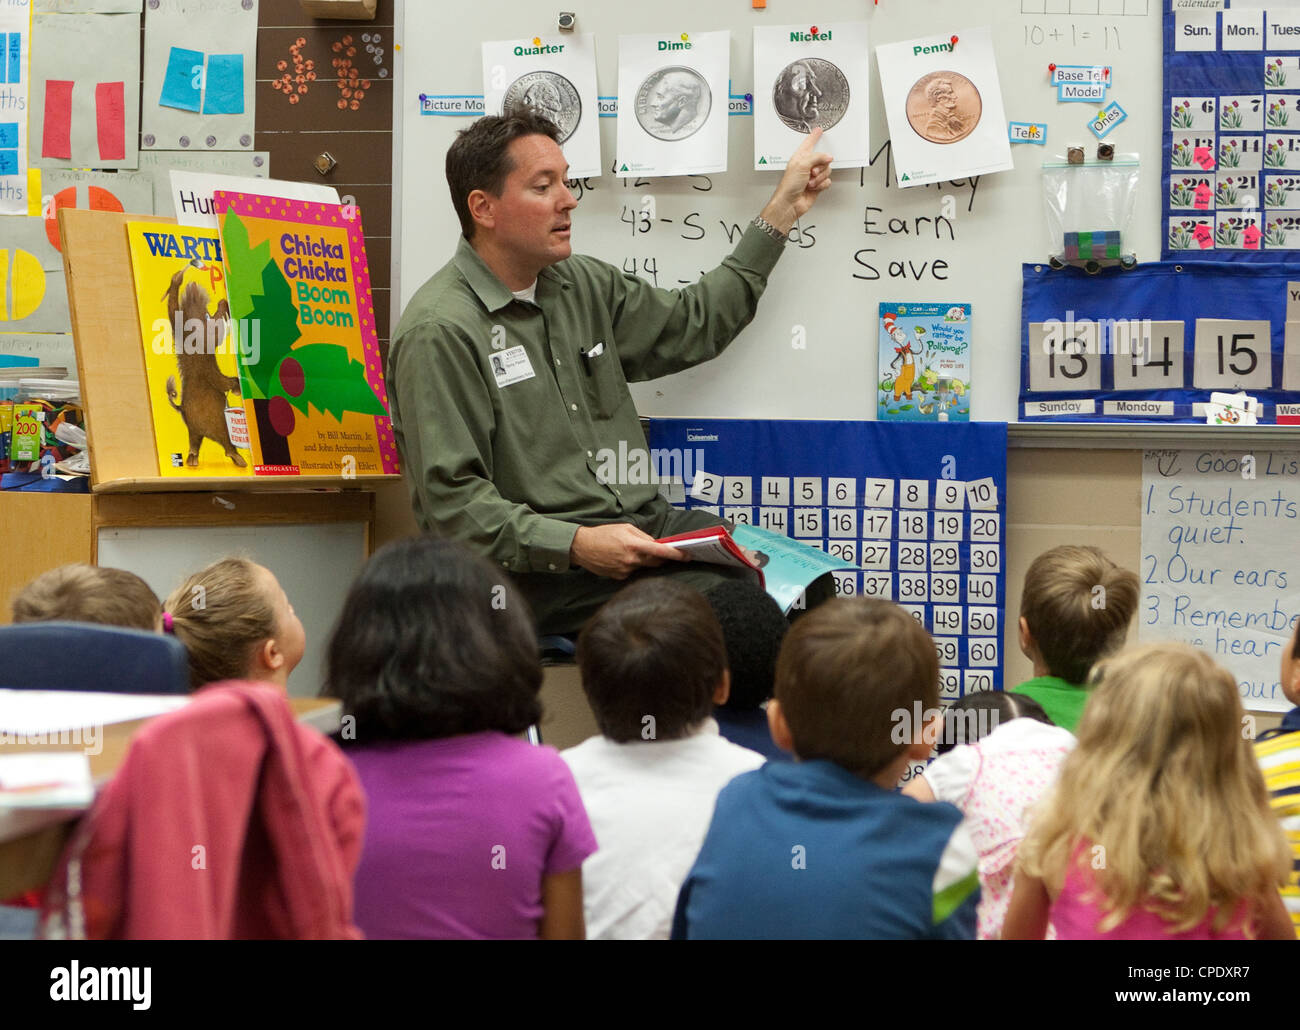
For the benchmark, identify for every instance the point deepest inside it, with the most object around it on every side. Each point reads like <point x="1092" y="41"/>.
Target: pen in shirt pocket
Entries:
<point x="594" y="351"/>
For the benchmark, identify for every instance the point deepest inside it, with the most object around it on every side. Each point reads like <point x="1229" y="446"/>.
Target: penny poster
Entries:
<point x="944" y="107"/>
<point x="673" y="103"/>
<point x="808" y="76"/>
<point x="554" y="76"/>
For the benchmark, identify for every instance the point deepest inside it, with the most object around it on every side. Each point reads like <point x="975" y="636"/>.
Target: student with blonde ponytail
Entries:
<point x="1159" y="826"/>
<point x="237" y="624"/>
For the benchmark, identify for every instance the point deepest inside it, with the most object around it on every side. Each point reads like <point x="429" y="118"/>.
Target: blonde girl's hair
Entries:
<point x="221" y="614"/>
<point x="1165" y="780"/>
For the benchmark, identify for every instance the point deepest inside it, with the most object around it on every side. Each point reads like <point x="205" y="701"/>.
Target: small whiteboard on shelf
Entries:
<point x="315" y="564"/>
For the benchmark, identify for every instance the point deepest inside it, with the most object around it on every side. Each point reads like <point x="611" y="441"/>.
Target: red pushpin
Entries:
<point x="813" y="31"/>
<point x="953" y="41"/>
<point x="1105" y="73"/>
<point x="1051" y="67"/>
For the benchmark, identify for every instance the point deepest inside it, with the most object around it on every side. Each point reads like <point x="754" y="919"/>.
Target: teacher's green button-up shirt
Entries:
<point x="502" y="408"/>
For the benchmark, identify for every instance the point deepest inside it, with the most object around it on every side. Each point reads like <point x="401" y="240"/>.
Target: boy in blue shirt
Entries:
<point x="824" y="846"/>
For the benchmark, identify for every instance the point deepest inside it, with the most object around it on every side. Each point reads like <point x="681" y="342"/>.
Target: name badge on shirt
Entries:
<point x="511" y="366"/>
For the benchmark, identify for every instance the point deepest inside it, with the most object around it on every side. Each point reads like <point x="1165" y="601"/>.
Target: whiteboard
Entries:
<point x="315" y="565"/>
<point x="832" y="285"/>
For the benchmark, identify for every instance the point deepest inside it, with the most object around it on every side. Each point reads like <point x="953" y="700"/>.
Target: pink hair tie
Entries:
<point x="167" y="622"/>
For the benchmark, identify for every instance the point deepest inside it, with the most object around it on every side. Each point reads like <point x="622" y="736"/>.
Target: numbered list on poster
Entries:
<point x="1220" y="562"/>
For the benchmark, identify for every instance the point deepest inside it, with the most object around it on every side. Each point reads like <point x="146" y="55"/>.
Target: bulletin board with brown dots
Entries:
<point x="323" y="99"/>
<point x="326" y="87"/>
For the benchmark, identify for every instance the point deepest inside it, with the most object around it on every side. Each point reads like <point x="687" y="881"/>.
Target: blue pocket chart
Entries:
<point x="183" y="80"/>
<point x="1230" y="162"/>
<point x="919" y="508"/>
<point x="1151" y="344"/>
<point x="224" y="85"/>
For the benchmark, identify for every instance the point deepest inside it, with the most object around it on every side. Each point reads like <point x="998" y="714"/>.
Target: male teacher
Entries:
<point x="508" y="373"/>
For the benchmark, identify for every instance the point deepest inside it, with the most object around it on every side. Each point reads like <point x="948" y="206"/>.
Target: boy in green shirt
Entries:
<point x="1075" y="610"/>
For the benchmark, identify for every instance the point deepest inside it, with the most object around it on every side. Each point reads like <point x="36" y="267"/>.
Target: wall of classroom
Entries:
<point x="866" y="242"/>
<point x="1063" y="487"/>
<point x="1075" y="493"/>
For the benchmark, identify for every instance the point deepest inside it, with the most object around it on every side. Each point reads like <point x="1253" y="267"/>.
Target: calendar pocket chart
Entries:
<point x="1153" y="343"/>
<point x="1231" y="131"/>
<point x="919" y="509"/>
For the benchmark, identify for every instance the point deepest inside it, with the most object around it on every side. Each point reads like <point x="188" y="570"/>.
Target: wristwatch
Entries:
<point x="770" y="229"/>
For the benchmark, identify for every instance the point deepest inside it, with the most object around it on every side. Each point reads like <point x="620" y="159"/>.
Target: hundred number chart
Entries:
<point x="918" y="508"/>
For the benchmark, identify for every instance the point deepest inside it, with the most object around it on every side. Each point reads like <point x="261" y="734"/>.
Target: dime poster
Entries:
<point x="554" y="76"/>
<point x="944" y="106"/>
<point x="672" y="103"/>
<point x="811" y="76"/>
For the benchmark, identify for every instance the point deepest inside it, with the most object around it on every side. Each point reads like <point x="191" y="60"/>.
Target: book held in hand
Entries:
<point x="785" y="568"/>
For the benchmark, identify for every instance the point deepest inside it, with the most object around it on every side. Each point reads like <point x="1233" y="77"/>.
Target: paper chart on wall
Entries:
<point x="85" y="108"/>
<point x="88" y="6"/>
<point x="199" y="75"/>
<point x="15" y="35"/>
<point x="554" y="76"/>
<point x="36" y="300"/>
<point x="50" y="349"/>
<point x="1216" y="570"/>
<point x="808" y="76"/>
<point x="944" y="107"/>
<point x="673" y="96"/>
<point x="158" y="164"/>
<point x="131" y="192"/>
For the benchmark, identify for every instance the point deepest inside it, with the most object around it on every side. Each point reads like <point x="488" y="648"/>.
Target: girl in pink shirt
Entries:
<point x="1159" y="825"/>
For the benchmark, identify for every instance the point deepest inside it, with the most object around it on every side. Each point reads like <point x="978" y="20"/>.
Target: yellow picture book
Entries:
<point x="199" y="424"/>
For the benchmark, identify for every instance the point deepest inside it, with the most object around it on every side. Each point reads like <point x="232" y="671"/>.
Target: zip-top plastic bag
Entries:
<point x="1089" y="211"/>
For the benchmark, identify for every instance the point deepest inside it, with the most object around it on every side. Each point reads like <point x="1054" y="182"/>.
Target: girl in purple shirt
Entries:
<point x="471" y="832"/>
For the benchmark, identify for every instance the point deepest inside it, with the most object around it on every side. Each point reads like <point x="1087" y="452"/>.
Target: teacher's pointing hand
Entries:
<point x="807" y="174"/>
